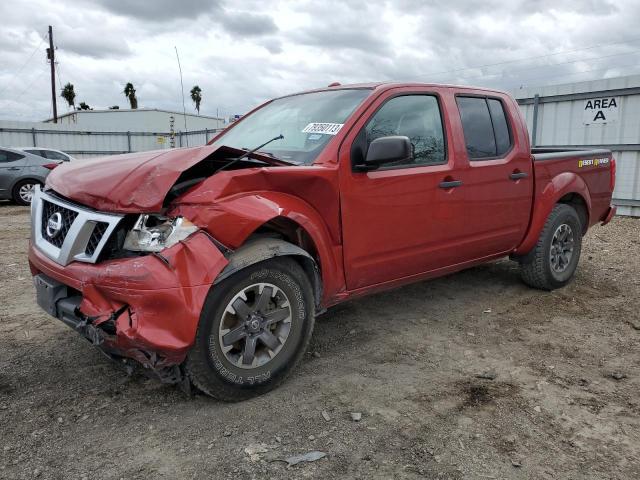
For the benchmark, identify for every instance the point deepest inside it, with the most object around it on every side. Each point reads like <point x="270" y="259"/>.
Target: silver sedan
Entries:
<point x="20" y="172"/>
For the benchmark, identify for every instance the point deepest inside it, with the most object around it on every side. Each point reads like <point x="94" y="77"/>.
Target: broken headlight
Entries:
<point x="153" y="233"/>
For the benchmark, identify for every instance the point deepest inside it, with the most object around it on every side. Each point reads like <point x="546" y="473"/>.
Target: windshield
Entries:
<point x="306" y="121"/>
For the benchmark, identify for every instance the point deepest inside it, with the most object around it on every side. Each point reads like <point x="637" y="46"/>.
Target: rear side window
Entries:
<point x="6" y="156"/>
<point x="500" y="126"/>
<point x="485" y="127"/>
<point x="55" y="155"/>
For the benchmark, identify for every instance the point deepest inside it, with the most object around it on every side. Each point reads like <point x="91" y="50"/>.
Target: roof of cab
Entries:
<point x="389" y="85"/>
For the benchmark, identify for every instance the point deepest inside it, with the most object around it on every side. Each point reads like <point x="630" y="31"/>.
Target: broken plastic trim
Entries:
<point x="149" y="363"/>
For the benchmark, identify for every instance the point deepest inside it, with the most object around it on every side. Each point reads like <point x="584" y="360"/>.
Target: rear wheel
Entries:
<point x="254" y="328"/>
<point x="554" y="259"/>
<point x="23" y="191"/>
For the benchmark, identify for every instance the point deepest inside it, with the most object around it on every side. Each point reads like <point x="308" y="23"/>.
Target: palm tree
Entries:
<point x="196" y="96"/>
<point x="130" y="93"/>
<point x="69" y="95"/>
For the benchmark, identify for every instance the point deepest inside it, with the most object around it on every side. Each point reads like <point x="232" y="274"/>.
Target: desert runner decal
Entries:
<point x="324" y="128"/>
<point x="593" y="162"/>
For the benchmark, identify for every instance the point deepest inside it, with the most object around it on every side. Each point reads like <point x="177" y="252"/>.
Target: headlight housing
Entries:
<point x="153" y="233"/>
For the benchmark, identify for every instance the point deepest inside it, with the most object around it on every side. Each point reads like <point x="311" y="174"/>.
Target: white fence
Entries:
<point x="601" y="113"/>
<point x="83" y="143"/>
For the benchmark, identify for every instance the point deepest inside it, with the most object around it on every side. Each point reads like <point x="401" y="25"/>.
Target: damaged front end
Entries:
<point x="102" y="330"/>
<point x="126" y="250"/>
<point x="138" y="294"/>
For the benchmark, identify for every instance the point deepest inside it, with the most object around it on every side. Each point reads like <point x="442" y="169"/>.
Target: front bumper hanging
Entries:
<point x="144" y="309"/>
<point x="63" y="303"/>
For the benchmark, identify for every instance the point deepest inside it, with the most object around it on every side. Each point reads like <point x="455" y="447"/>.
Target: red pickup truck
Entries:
<point x="208" y="265"/>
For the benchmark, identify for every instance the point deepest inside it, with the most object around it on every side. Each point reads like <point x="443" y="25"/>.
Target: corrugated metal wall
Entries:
<point x="560" y="122"/>
<point x="143" y="119"/>
<point x="82" y="143"/>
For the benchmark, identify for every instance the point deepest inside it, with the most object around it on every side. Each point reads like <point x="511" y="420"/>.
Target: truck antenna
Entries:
<point x="184" y="109"/>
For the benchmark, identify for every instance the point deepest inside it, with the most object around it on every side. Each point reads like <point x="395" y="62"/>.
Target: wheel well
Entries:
<point x="288" y="230"/>
<point x="577" y="202"/>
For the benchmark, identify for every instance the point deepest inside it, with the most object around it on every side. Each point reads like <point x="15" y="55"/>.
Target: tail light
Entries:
<point x="50" y="166"/>
<point x="612" y="171"/>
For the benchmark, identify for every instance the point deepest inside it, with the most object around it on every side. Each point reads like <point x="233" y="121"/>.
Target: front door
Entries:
<point x="401" y="219"/>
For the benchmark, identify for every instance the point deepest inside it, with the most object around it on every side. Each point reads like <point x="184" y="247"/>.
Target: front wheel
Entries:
<point x="24" y="190"/>
<point x="554" y="259"/>
<point x="254" y="328"/>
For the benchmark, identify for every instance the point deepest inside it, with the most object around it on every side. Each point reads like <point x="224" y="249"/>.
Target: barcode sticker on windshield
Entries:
<point x="325" y="128"/>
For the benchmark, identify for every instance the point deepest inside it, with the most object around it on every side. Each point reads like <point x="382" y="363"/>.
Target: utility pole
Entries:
<point x="51" y="55"/>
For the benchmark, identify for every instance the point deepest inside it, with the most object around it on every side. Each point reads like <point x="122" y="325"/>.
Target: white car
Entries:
<point x="49" y="153"/>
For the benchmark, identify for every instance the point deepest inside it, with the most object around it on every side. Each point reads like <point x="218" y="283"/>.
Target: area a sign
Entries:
<point x="600" y="110"/>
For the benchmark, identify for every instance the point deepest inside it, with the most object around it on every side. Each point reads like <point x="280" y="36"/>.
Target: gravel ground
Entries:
<point x="560" y="399"/>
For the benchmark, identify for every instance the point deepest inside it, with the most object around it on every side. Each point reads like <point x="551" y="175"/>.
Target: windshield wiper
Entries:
<point x="249" y="152"/>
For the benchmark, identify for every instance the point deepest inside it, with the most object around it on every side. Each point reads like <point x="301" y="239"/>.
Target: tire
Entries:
<point x="548" y="269"/>
<point x="227" y="375"/>
<point x="21" y="191"/>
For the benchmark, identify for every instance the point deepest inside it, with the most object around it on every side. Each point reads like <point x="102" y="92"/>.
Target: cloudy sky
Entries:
<point x="243" y="52"/>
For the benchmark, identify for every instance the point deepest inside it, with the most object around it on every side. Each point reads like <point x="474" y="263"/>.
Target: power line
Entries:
<point x="635" y="39"/>
<point x="9" y="83"/>
<point x="536" y="67"/>
<point x="574" y="73"/>
<point x="38" y="76"/>
<point x="59" y="78"/>
<point x="58" y="75"/>
<point x="57" y="66"/>
<point x="184" y="108"/>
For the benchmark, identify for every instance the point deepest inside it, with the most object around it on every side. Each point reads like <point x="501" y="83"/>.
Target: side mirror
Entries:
<point x="385" y="150"/>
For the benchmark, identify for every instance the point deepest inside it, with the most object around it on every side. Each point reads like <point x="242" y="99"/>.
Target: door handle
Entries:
<point x="450" y="184"/>
<point x="13" y="168"/>
<point x="518" y="175"/>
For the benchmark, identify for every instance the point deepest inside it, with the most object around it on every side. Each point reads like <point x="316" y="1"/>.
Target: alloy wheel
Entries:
<point x="26" y="191"/>
<point x="255" y="325"/>
<point x="562" y="245"/>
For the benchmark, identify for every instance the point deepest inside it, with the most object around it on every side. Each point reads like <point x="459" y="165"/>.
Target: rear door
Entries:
<point x="11" y="167"/>
<point x="498" y="180"/>
<point x="399" y="220"/>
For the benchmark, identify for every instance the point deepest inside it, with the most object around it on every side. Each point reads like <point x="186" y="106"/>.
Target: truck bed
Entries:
<point x="554" y="167"/>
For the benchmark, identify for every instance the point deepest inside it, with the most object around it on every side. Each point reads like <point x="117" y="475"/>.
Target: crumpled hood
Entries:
<point x="130" y="183"/>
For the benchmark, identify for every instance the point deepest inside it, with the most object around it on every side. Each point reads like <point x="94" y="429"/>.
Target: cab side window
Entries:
<point x="414" y="116"/>
<point x="485" y="127"/>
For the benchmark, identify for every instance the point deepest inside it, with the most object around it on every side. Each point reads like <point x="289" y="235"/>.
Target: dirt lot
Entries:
<point x="564" y="402"/>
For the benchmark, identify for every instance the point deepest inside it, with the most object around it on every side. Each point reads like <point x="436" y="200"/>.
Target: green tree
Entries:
<point x="84" y="106"/>
<point x="196" y="96"/>
<point x="130" y="93"/>
<point x="69" y="94"/>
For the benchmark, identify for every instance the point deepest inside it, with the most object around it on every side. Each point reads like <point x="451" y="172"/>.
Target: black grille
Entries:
<point x="68" y="216"/>
<point x="96" y="236"/>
